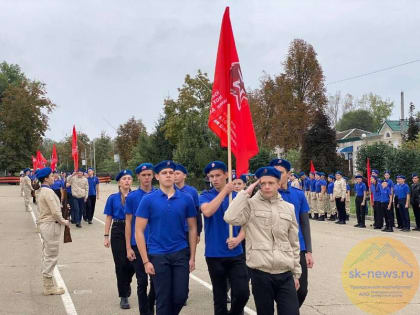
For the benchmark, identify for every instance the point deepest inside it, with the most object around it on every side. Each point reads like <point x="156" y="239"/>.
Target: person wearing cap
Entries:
<point x="375" y="191"/>
<point x="339" y="194"/>
<point x="170" y="256"/>
<point x="305" y="183"/>
<point x="296" y="197"/>
<point x="314" y="202"/>
<point x="332" y="209"/>
<point x="49" y="222"/>
<point x="224" y="258"/>
<point x="348" y="198"/>
<point x="239" y="183"/>
<point x="387" y="178"/>
<point x="79" y="191"/>
<point x="93" y="195"/>
<point x="360" y="201"/>
<point x="21" y="177"/>
<point x="27" y="189"/>
<point x="68" y="200"/>
<point x="415" y="199"/>
<point x="386" y="204"/>
<point x="322" y="197"/>
<point x="402" y="192"/>
<point x="272" y="241"/>
<point x="115" y="216"/>
<point x="58" y="186"/>
<point x="145" y="176"/>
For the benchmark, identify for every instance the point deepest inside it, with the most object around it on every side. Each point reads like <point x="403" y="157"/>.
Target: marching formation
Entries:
<point x="262" y="236"/>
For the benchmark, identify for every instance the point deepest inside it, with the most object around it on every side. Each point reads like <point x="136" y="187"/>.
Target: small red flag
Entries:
<point x="54" y="158"/>
<point x="75" y="150"/>
<point x="312" y="167"/>
<point x="229" y="88"/>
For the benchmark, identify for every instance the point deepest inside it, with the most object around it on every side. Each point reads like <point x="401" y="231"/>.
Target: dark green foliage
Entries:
<point x="361" y="119"/>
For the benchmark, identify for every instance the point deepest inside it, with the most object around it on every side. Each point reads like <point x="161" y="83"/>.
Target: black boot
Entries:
<point x="316" y="216"/>
<point x="321" y="218"/>
<point x="124" y="303"/>
<point x="310" y="216"/>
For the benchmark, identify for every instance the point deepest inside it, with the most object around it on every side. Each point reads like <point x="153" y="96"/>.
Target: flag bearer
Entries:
<point x="386" y="210"/>
<point x="375" y="191"/>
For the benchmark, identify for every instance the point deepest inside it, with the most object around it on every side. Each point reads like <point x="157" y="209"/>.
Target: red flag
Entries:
<point x="368" y="179"/>
<point x="54" y="158"/>
<point x="229" y="88"/>
<point x="34" y="163"/>
<point x="75" y="150"/>
<point x="312" y="167"/>
<point x="41" y="161"/>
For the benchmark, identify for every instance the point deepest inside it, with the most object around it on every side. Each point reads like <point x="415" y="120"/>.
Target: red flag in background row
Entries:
<point x="312" y="167"/>
<point x="368" y="179"/>
<point x="75" y="150"/>
<point x="41" y="161"/>
<point x="34" y="162"/>
<point x="229" y="88"/>
<point x="54" y="158"/>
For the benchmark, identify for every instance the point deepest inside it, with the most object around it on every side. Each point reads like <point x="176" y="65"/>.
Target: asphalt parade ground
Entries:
<point x="86" y="267"/>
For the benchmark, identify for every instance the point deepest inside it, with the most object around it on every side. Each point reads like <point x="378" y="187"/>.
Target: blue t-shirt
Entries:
<point x="92" y="181"/>
<point x="307" y="184"/>
<point x="166" y="220"/>
<point x="312" y="185"/>
<point x="59" y="183"/>
<point x="390" y="183"/>
<point x="401" y="191"/>
<point x="114" y="207"/>
<point x="330" y="188"/>
<point x="297" y="198"/>
<point x="68" y="189"/>
<point x="191" y="191"/>
<point x="131" y="204"/>
<point x="216" y="229"/>
<point x="318" y="186"/>
<point x="348" y="187"/>
<point x="376" y="190"/>
<point x="385" y="192"/>
<point x="360" y="189"/>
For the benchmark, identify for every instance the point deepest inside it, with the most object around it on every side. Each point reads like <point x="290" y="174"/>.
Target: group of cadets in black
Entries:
<point x="154" y="234"/>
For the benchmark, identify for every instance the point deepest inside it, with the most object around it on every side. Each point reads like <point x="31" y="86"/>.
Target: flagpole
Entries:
<point x="229" y="162"/>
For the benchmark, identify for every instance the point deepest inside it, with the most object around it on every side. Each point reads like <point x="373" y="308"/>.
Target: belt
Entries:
<point x="118" y="221"/>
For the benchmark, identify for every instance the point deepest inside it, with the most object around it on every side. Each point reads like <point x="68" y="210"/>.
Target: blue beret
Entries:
<point x="414" y="175"/>
<point x="164" y="164"/>
<point x="331" y="176"/>
<point x="81" y="170"/>
<point x="267" y="171"/>
<point x="387" y="172"/>
<point x="144" y="167"/>
<point x="180" y="167"/>
<point x="281" y="162"/>
<point x="26" y="169"/>
<point x="311" y="173"/>
<point x="301" y="174"/>
<point x="339" y="173"/>
<point x="242" y="177"/>
<point x="401" y="176"/>
<point x="215" y="165"/>
<point x="43" y="172"/>
<point x="123" y="173"/>
<point x="358" y="176"/>
<point x="318" y="173"/>
<point x="375" y="171"/>
<point x="375" y="177"/>
<point x="90" y="169"/>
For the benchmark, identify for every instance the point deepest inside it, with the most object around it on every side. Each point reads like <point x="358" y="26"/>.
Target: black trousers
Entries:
<point x="90" y="208"/>
<point x="387" y="214"/>
<point x="404" y="215"/>
<point x="416" y="210"/>
<point x="360" y="211"/>
<point x="341" y="209"/>
<point x="398" y="213"/>
<point x="171" y="281"/>
<point x="378" y="219"/>
<point x="123" y="267"/>
<point x="146" y="302"/>
<point x="303" y="281"/>
<point x="235" y="270"/>
<point x="70" y="203"/>
<point x="268" y="288"/>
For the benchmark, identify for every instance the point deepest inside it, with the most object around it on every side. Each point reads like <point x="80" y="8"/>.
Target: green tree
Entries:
<point x="319" y="145"/>
<point x="103" y="151"/>
<point x="413" y="128"/>
<point x="379" y="155"/>
<point x="360" y="118"/>
<point x="10" y="75"/>
<point x="128" y="135"/>
<point x="293" y="156"/>
<point x="263" y="158"/>
<point x="379" y="108"/>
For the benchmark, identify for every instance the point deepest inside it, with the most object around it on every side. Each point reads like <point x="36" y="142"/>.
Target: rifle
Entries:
<point x="66" y="213"/>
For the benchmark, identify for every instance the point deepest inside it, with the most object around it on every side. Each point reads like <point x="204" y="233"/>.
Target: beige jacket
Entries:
<point x="272" y="243"/>
<point x="27" y="185"/>
<point x="49" y="206"/>
<point x="295" y="183"/>
<point x="340" y="188"/>
<point x="79" y="186"/>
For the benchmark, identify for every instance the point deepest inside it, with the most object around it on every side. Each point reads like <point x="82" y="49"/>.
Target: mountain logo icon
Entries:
<point x="375" y="252"/>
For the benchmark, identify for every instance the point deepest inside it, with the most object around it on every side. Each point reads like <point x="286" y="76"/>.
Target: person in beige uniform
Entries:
<point x="295" y="181"/>
<point x="339" y="194"/>
<point x="27" y="189"/>
<point x="49" y="222"/>
<point x="80" y="192"/>
<point x="272" y="243"/>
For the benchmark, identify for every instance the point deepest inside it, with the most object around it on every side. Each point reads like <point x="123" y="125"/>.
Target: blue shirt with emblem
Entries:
<point x="114" y="207"/>
<point x="312" y="185"/>
<point x="307" y="184"/>
<point x="92" y="181"/>
<point x="385" y="193"/>
<point x="297" y="198"/>
<point x="216" y="229"/>
<point x="330" y="188"/>
<point x="58" y="184"/>
<point x="376" y="190"/>
<point x="131" y="204"/>
<point x="166" y="220"/>
<point x="318" y="186"/>
<point x="401" y="190"/>
<point x="360" y="189"/>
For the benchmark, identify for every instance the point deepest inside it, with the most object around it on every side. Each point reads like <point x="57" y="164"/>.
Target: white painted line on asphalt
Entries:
<point x="202" y="282"/>
<point x="66" y="298"/>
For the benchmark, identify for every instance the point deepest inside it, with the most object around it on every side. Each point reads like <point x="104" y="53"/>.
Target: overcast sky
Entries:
<point x="105" y="61"/>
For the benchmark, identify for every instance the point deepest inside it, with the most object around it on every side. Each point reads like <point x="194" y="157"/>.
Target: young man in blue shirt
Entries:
<point x="312" y="193"/>
<point x="330" y="192"/>
<point x="386" y="210"/>
<point x="387" y="178"/>
<point x="145" y="176"/>
<point x="375" y="191"/>
<point x="223" y="262"/>
<point x="168" y="257"/>
<point x="402" y="192"/>
<point x="360" y="190"/>
<point x="93" y="195"/>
